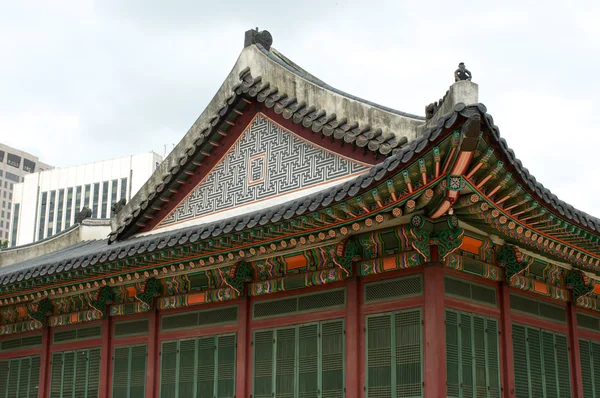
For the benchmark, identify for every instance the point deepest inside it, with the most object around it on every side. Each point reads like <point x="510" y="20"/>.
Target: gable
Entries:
<point x="266" y="163"/>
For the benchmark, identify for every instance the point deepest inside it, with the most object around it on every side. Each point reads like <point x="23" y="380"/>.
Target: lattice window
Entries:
<point x="199" y="318"/>
<point x="20" y="342"/>
<point x="299" y="304"/>
<point x="394" y="355"/>
<point x="472" y="359"/>
<point x="201" y="368"/>
<point x="589" y="352"/>
<point x="129" y="371"/>
<point x="393" y="289"/>
<point x="64" y="336"/>
<point x="588" y="322"/>
<point x="75" y="374"/>
<point x="300" y="361"/>
<point x="471" y="291"/>
<point x="131" y="328"/>
<point x="538" y="308"/>
<point x="541" y="363"/>
<point x="20" y="377"/>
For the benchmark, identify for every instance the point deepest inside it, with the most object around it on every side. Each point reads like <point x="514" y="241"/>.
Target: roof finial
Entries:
<point x="462" y="73"/>
<point x="253" y="36"/>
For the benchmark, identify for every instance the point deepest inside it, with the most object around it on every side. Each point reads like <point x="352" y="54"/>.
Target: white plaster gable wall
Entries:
<point x="252" y="207"/>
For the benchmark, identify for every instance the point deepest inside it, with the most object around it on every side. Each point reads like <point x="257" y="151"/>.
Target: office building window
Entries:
<point x="104" y="198"/>
<point x="13" y="238"/>
<point x="13" y="160"/>
<point x="28" y="165"/>
<point x="12" y="177"/>
<point x="123" y="188"/>
<point x="59" y="213"/>
<point x="42" y="216"/>
<point x="51" y="213"/>
<point x="113" y="193"/>
<point x="69" y="205"/>
<point x="86" y="200"/>
<point x="1" y="157"/>
<point x="96" y="197"/>
<point x="77" y="199"/>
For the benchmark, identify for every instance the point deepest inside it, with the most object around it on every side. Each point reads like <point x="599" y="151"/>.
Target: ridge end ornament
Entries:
<point x="254" y="36"/>
<point x="462" y="73"/>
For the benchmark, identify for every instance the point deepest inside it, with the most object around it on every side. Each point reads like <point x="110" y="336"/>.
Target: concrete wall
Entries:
<point x="89" y="230"/>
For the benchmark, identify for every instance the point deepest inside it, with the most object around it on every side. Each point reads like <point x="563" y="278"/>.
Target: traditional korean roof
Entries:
<point x="455" y="162"/>
<point x="264" y="79"/>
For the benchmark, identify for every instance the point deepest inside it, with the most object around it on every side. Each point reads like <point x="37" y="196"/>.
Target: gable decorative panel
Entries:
<point x="265" y="162"/>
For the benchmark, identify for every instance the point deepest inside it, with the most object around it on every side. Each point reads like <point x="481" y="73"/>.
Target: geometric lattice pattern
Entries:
<point x="266" y="161"/>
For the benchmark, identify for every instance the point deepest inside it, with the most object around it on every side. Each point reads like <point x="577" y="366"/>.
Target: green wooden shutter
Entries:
<point x="75" y="374"/>
<point x="332" y="359"/>
<point x="465" y="328"/>
<point x="308" y="360"/>
<point x="407" y="351"/>
<point x="187" y="369"/>
<point x="93" y="386"/>
<point x="4" y="367"/>
<point x="480" y="365"/>
<point x="472" y="363"/>
<point x="549" y="373"/>
<point x="129" y="372"/>
<point x="206" y="367"/>
<point x="226" y="361"/>
<point x="120" y="379"/>
<point x="81" y="373"/>
<point x="285" y="354"/>
<point x="56" y="376"/>
<point x="198" y="368"/>
<point x="563" y="372"/>
<point x="68" y="374"/>
<point x="263" y="363"/>
<point x="595" y="363"/>
<point x="379" y="356"/>
<point x="168" y="370"/>
<point x="13" y="378"/>
<point x="587" y="368"/>
<point x="541" y="363"/>
<point x="521" y="370"/>
<point x="493" y="358"/>
<point x="137" y="383"/>
<point x="394" y="355"/>
<point x="534" y="355"/>
<point x="452" y="356"/>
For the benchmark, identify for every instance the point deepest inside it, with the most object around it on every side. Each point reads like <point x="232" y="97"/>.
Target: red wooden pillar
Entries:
<point x="576" y="380"/>
<point x="152" y="366"/>
<point x="507" y="357"/>
<point x="105" y="358"/>
<point x="352" y="336"/>
<point x="243" y="366"/>
<point x="434" y="332"/>
<point x="44" y="387"/>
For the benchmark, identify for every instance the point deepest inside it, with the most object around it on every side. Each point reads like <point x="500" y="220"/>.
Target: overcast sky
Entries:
<point x="84" y="80"/>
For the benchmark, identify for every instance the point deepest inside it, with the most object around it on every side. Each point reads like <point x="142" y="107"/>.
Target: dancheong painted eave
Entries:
<point x="484" y="183"/>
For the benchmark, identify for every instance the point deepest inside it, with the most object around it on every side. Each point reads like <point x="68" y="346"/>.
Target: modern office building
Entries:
<point x="14" y="166"/>
<point x="46" y="203"/>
